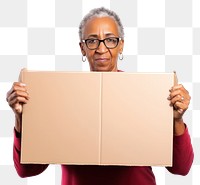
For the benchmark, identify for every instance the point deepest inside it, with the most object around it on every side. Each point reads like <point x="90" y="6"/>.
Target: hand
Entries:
<point x="16" y="97"/>
<point x="180" y="99"/>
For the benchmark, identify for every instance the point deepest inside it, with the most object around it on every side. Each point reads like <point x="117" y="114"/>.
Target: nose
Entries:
<point x="102" y="48"/>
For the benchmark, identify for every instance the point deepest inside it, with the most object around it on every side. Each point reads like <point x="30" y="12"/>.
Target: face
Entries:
<point x="102" y="58"/>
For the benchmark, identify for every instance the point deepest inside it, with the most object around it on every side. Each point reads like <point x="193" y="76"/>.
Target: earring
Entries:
<point x="83" y="58"/>
<point x="121" y="56"/>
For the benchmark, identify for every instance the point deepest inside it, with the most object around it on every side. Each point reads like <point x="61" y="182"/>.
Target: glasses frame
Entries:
<point x="118" y="39"/>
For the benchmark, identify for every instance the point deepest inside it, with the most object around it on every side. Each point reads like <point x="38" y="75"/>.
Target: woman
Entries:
<point x="101" y="42"/>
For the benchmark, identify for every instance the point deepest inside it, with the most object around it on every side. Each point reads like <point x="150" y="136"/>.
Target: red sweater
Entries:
<point x="111" y="175"/>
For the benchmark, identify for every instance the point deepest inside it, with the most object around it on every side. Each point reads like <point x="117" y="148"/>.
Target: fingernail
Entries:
<point x="168" y="97"/>
<point x="22" y="84"/>
<point x="180" y="110"/>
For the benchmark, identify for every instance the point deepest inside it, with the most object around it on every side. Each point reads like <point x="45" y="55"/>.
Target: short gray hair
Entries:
<point x="101" y="12"/>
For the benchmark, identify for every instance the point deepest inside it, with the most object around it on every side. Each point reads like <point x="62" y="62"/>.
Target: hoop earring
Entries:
<point x="83" y="58"/>
<point x="121" y="56"/>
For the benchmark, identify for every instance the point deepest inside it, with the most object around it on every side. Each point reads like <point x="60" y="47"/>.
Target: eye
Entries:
<point x="111" y="40"/>
<point x="91" y="41"/>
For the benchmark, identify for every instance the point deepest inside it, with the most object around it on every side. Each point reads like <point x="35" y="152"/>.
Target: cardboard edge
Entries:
<point x="100" y="128"/>
<point x="21" y="79"/>
<point x="175" y="83"/>
<point x="175" y="78"/>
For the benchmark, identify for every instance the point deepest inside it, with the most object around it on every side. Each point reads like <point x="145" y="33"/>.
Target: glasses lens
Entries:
<point x="92" y="43"/>
<point x="111" y="42"/>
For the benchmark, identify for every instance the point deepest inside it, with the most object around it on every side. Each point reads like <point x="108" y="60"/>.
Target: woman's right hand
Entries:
<point x="16" y="97"/>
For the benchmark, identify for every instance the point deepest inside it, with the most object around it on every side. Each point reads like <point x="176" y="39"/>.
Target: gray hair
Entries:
<point x="101" y="12"/>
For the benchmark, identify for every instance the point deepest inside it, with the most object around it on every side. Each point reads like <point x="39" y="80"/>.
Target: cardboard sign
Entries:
<point x="97" y="118"/>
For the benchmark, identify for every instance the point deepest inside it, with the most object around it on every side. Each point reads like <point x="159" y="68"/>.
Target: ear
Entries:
<point x="82" y="48"/>
<point x="121" y="46"/>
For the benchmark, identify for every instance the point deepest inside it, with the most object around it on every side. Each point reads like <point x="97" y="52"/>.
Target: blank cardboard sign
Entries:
<point x="97" y="118"/>
<point x="61" y="122"/>
<point x="137" y="121"/>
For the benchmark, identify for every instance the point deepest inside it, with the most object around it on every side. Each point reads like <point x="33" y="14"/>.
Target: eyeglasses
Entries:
<point x="110" y="42"/>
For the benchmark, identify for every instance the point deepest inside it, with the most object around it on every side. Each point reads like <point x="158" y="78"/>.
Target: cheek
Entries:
<point x="90" y="55"/>
<point x="114" y="55"/>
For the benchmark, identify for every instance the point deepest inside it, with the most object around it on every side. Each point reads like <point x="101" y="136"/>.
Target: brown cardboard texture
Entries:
<point x="97" y="118"/>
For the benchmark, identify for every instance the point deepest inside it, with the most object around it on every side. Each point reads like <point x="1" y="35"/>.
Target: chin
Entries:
<point x="103" y="69"/>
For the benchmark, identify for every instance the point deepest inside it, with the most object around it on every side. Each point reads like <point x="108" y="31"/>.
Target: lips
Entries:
<point x="101" y="59"/>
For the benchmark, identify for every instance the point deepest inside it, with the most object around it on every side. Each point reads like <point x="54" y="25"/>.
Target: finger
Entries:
<point x="179" y="87"/>
<point x="17" y="100"/>
<point x="180" y="99"/>
<point x="176" y="87"/>
<point x="179" y="92"/>
<point x="17" y="97"/>
<point x="16" y="94"/>
<point x="180" y="111"/>
<point x="17" y="86"/>
<point x="174" y="93"/>
<point x="179" y="105"/>
<point x="175" y="99"/>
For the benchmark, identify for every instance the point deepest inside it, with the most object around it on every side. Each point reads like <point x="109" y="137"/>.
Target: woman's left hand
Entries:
<point x="180" y="99"/>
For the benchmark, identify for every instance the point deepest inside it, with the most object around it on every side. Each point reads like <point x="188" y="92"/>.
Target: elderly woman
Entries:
<point x="101" y="42"/>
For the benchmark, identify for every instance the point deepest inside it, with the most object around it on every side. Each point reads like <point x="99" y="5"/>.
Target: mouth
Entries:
<point x="102" y="60"/>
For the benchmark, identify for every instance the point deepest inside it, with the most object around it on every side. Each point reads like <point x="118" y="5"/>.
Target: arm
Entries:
<point x="16" y="97"/>
<point x="183" y="154"/>
<point x="24" y="170"/>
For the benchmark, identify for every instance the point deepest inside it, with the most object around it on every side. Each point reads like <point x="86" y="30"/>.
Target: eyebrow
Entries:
<point x="110" y="34"/>
<point x="96" y="36"/>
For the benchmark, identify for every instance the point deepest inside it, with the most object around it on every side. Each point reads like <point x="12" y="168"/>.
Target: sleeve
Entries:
<point x="183" y="154"/>
<point x="24" y="170"/>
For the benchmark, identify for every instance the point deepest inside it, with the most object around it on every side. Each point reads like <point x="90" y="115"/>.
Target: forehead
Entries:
<point x="100" y="25"/>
